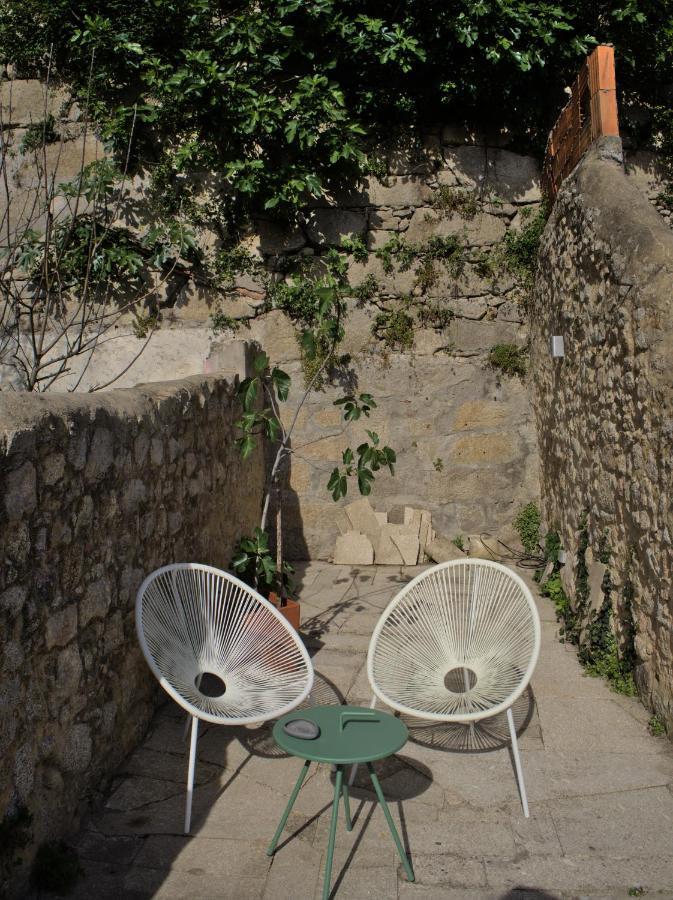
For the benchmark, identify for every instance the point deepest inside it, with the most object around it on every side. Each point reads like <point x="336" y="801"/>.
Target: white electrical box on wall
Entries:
<point x="557" y="348"/>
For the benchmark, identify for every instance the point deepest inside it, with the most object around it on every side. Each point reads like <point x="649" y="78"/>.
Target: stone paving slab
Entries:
<point x="599" y="786"/>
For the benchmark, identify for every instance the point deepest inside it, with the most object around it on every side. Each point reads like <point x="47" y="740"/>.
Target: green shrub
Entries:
<point x="459" y="542"/>
<point x="656" y="726"/>
<point x="520" y="248"/>
<point x="432" y="315"/>
<point x="527" y="526"/>
<point x="553" y="588"/>
<point x="508" y="359"/>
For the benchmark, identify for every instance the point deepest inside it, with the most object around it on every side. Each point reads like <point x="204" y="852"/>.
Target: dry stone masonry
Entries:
<point x="96" y="492"/>
<point x="605" y="411"/>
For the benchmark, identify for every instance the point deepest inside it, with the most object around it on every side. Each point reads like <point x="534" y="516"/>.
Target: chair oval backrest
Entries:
<point x="218" y="648"/>
<point x="458" y="643"/>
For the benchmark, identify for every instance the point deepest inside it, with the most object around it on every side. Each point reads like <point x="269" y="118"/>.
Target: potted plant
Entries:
<point x="262" y="396"/>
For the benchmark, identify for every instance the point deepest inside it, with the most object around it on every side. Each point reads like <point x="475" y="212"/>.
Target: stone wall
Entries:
<point x="96" y="492"/>
<point x="605" y="411"/>
<point x="464" y="433"/>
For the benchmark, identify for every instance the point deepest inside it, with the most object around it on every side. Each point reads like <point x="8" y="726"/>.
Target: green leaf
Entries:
<point x="281" y="382"/>
<point x="240" y="561"/>
<point x="247" y="392"/>
<point x="260" y="363"/>
<point x="365" y="477"/>
<point x="246" y="445"/>
<point x="272" y="429"/>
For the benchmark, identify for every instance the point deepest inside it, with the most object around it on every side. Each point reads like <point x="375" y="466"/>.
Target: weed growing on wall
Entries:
<point x="450" y="200"/>
<point x="365" y="291"/>
<point x="395" y="328"/>
<point x="519" y="249"/>
<point x="509" y="359"/>
<point x="357" y="247"/>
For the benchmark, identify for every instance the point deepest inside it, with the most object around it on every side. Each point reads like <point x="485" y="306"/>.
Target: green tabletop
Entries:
<point x="348" y="734"/>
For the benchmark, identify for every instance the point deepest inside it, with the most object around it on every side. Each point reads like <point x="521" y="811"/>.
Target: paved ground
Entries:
<point x="600" y="789"/>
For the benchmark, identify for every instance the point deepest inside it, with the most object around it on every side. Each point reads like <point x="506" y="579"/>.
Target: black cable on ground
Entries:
<point x="524" y="560"/>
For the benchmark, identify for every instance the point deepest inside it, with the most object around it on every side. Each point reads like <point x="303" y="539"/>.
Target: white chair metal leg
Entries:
<point x="190" y="773"/>
<point x="354" y="768"/>
<point x="517" y="762"/>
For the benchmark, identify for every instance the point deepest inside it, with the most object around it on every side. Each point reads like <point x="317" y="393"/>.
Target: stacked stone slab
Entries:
<point x="399" y="537"/>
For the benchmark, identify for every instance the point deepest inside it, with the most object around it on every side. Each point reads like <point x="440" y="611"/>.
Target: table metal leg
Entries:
<point x="332" y="832"/>
<point x="391" y="824"/>
<point x="347" y="806"/>
<point x="288" y="808"/>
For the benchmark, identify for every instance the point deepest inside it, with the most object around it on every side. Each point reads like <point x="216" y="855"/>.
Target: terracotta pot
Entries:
<point x="291" y="610"/>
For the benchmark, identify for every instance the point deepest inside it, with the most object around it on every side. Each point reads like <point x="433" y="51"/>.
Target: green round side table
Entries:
<point x="348" y="735"/>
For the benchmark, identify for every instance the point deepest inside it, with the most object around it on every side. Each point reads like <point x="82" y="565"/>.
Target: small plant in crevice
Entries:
<point x="221" y="322"/>
<point x="357" y="247"/>
<point x="56" y="867"/>
<point x="520" y="248"/>
<point x="396" y="252"/>
<point x="395" y="328"/>
<point x="459" y="541"/>
<point x="450" y="200"/>
<point x="227" y="263"/>
<point x="509" y="359"/>
<point x="144" y="324"/>
<point x="433" y="315"/>
<point x="366" y="290"/>
<point x="602" y="652"/>
<point x="445" y="252"/>
<point x="527" y="526"/>
<point x="657" y="726"/>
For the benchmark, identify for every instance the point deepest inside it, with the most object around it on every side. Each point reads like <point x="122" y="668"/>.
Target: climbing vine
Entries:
<point x="599" y="649"/>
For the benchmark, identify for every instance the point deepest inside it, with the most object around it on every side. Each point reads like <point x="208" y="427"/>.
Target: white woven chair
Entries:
<point x="220" y="650"/>
<point x="457" y="644"/>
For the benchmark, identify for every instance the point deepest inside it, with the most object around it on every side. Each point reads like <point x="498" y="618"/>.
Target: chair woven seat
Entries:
<point x="459" y="643"/>
<point x="219" y="649"/>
